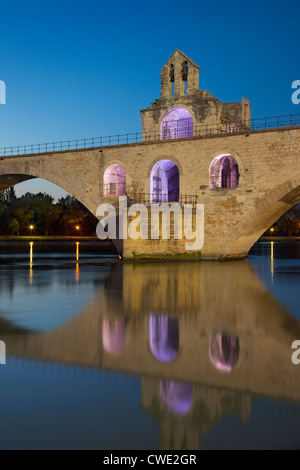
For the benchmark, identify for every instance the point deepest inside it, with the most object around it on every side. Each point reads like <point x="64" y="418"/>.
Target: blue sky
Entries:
<point x="78" y="69"/>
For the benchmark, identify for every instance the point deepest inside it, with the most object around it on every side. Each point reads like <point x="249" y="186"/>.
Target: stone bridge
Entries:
<point x="235" y="218"/>
<point x="192" y="145"/>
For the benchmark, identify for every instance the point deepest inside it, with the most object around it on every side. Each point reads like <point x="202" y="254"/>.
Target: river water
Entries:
<point x="97" y="354"/>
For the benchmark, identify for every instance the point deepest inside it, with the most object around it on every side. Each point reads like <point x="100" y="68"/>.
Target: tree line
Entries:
<point x="288" y="224"/>
<point x="38" y="214"/>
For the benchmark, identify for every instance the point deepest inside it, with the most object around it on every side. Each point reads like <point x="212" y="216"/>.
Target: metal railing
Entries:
<point x="114" y="189"/>
<point x="156" y="198"/>
<point x="205" y="130"/>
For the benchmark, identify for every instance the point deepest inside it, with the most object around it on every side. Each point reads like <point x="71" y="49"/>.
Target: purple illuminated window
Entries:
<point x="113" y="335"/>
<point x="164" y="337"/>
<point x="164" y="182"/>
<point x="177" y="396"/>
<point x="224" y="172"/>
<point x="224" y="351"/>
<point x="176" y="123"/>
<point x="114" y="181"/>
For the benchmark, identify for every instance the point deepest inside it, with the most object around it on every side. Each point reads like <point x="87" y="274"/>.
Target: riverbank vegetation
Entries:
<point x="288" y="225"/>
<point x="38" y="215"/>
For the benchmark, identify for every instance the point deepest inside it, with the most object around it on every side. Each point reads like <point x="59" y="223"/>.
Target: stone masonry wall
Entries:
<point x="234" y="218"/>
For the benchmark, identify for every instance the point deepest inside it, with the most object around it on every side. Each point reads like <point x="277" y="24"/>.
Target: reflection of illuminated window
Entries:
<point x="113" y="335"/>
<point x="224" y="351"/>
<point x="164" y="337"/>
<point x="177" y="396"/>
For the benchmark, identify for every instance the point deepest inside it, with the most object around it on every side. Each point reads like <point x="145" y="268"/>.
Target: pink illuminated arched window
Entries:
<point x="114" y="181"/>
<point x="177" y="396"/>
<point x="224" y="351"/>
<point x="164" y="337"/>
<point x="113" y="335"/>
<point x="224" y="172"/>
<point x="176" y="123"/>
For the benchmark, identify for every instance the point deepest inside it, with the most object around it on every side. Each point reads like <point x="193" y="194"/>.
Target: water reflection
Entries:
<point x="224" y="351"/>
<point x="113" y="335"/>
<point x="199" y="320"/>
<point x="31" y="262"/>
<point x="177" y="396"/>
<point x="272" y="261"/>
<point x="164" y="337"/>
<point x="185" y="411"/>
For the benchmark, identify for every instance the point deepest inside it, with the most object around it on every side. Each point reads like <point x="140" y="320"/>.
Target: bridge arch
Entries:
<point x="268" y="209"/>
<point x="12" y="175"/>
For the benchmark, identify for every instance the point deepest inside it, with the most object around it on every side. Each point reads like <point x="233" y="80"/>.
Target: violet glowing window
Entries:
<point x="176" y="123"/>
<point x="113" y="335"/>
<point x="224" y="351"/>
<point x="114" y="181"/>
<point x="164" y="337"/>
<point x="164" y="182"/>
<point x="177" y="396"/>
<point x="224" y="172"/>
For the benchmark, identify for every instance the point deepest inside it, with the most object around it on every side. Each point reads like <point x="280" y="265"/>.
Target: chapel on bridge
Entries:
<point x="185" y="111"/>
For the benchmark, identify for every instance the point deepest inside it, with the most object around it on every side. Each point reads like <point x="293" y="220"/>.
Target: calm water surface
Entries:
<point x="105" y="355"/>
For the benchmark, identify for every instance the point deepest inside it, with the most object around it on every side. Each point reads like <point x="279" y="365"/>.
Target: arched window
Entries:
<point x="177" y="396"/>
<point x="164" y="337"/>
<point x="224" y="351"/>
<point x="224" y="172"/>
<point x="114" y="181"/>
<point x="176" y="123"/>
<point x="164" y="182"/>
<point x="113" y="335"/>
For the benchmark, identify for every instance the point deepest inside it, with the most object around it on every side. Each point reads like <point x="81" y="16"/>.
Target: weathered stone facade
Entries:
<point x="180" y="89"/>
<point x="234" y="218"/>
<point x="267" y="181"/>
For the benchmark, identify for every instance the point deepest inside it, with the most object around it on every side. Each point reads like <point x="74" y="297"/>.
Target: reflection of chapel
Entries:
<point x="184" y="411"/>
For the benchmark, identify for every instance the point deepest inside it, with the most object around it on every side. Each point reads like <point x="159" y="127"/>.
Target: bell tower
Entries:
<point x="179" y="76"/>
<point x="184" y="111"/>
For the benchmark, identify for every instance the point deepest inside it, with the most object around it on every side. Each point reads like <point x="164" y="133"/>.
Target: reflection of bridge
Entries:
<point x="252" y="182"/>
<point x="158" y="322"/>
